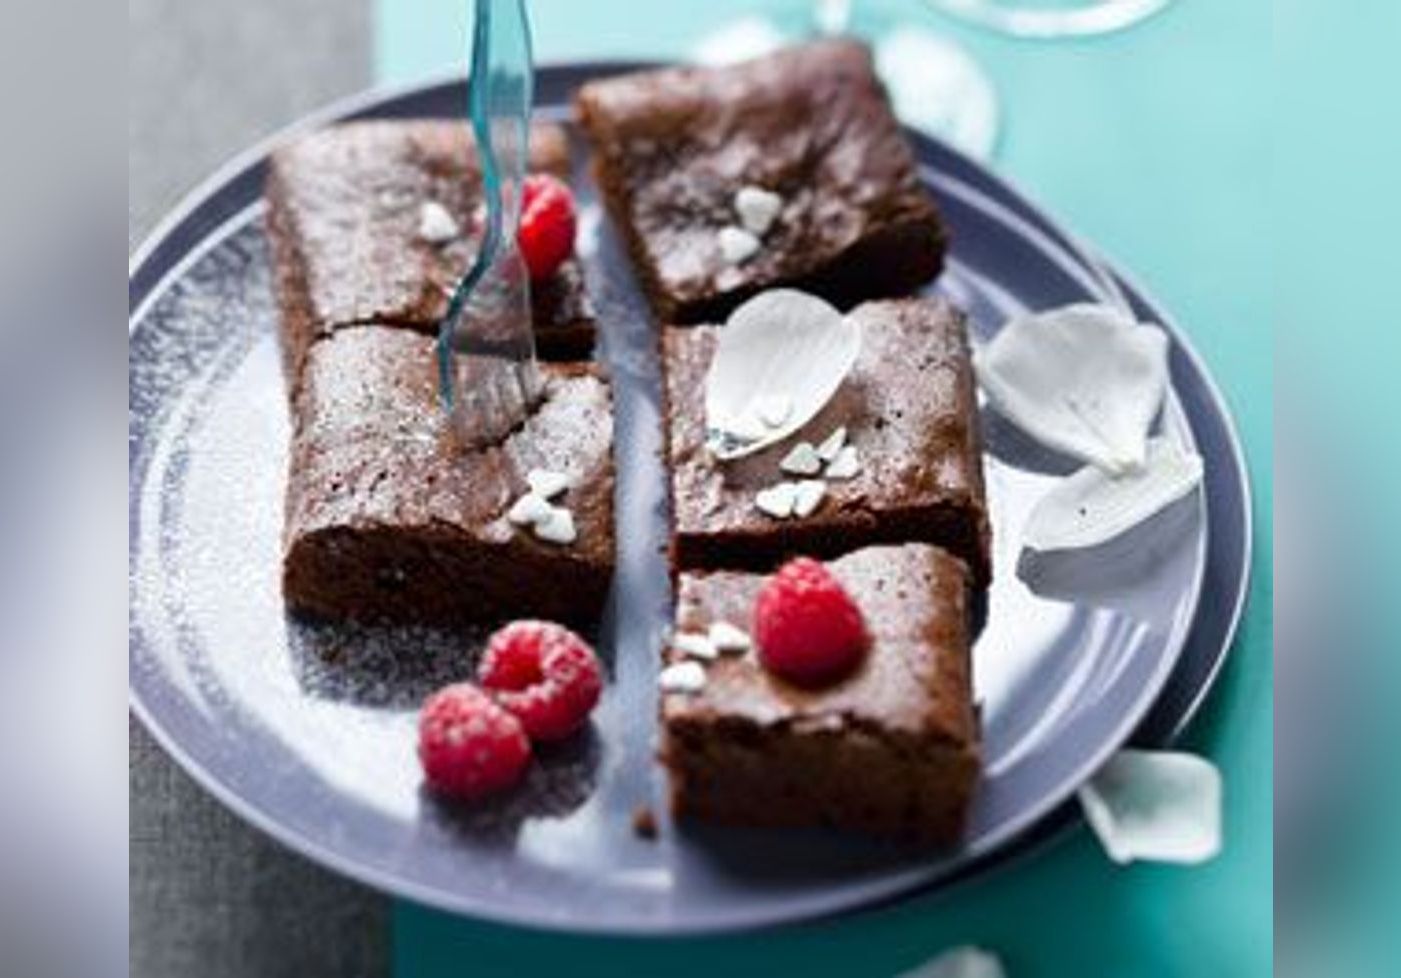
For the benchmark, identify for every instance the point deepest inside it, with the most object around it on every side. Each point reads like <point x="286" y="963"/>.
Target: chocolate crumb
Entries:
<point x="644" y="822"/>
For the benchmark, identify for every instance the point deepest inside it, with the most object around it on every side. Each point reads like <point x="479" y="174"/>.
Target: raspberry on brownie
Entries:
<point x="376" y="221"/>
<point x="787" y="169"/>
<point x="890" y="748"/>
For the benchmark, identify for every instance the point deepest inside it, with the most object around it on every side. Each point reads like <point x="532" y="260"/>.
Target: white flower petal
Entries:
<point x="781" y="343"/>
<point x="1161" y="806"/>
<point x="1089" y="507"/>
<point x="773" y="409"/>
<point x="1083" y="379"/>
<point x="959" y="962"/>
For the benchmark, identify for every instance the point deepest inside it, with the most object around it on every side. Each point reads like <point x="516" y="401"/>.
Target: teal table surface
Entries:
<point x="1154" y="145"/>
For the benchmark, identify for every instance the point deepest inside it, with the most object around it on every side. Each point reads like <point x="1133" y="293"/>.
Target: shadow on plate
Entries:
<point x="560" y="779"/>
<point x="1006" y="442"/>
<point x="784" y="857"/>
<point x="378" y="665"/>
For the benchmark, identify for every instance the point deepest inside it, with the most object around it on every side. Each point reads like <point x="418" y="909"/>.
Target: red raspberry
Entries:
<point x="468" y="745"/>
<point x="544" y="674"/>
<point x="546" y="234"/>
<point x="808" y="629"/>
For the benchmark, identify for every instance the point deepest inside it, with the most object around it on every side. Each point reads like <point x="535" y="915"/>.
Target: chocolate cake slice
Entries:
<point x="909" y="411"/>
<point x="810" y="124"/>
<point x="375" y="222"/>
<point x="892" y="749"/>
<point x="388" y="519"/>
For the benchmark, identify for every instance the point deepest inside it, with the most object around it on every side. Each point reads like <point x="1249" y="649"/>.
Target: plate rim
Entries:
<point x="1038" y="833"/>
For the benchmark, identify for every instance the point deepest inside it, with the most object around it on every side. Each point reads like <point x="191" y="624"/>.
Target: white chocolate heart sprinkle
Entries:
<point x="693" y="644"/>
<point x="832" y="444"/>
<point x="682" y="677"/>
<point x="1088" y="507"/>
<point x="736" y="244"/>
<point x="845" y="465"/>
<point x="777" y="501"/>
<point x="781" y="343"/>
<point x="808" y="496"/>
<point x="435" y="224"/>
<point x="802" y="459"/>
<point x="557" y="527"/>
<point x="729" y="638"/>
<point x="528" y="510"/>
<point x="1162" y="806"/>
<point x="547" y="484"/>
<point x="757" y="208"/>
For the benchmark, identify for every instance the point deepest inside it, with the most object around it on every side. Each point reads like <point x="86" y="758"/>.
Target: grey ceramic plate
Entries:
<point x="308" y="732"/>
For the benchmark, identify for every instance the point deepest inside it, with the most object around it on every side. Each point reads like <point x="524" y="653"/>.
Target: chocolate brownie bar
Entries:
<point x="909" y="409"/>
<point x="810" y="123"/>
<point x="347" y="219"/>
<point x="892" y="749"/>
<point x="388" y="519"/>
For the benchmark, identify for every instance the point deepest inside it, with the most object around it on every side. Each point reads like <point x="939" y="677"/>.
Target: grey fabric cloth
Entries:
<point x="209" y="896"/>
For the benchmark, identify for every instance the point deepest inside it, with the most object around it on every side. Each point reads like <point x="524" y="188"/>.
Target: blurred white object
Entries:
<point x="937" y="88"/>
<point x="959" y="962"/>
<point x="1160" y="806"/>
<point x="739" y="40"/>
<point x="1066" y="19"/>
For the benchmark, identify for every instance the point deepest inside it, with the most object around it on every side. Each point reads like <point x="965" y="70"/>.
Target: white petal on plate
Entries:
<point x="959" y="962"/>
<point x="1088" y="507"/>
<point x="547" y="484"/>
<point x="1161" y="806"/>
<point x="808" y="496"/>
<point x="757" y="208"/>
<point x="777" y="501"/>
<point x="832" y="444"/>
<point x="782" y="342"/>
<point x="435" y="224"/>
<point x="694" y="644"/>
<point x="682" y="677"/>
<point x="802" y="459"/>
<point x="729" y="638"/>
<point x="1083" y="379"/>
<point x="846" y="464"/>
<point x="529" y="510"/>
<point x="557" y="527"/>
